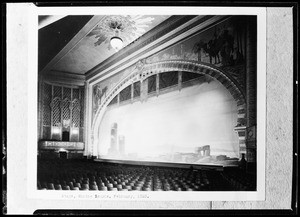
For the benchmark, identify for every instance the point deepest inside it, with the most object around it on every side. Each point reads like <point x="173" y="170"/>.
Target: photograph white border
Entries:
<point x="33" y="193"/>
<point x="181" y="196"/>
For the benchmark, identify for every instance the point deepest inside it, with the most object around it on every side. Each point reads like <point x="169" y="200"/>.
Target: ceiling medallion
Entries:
<point x="118" y="31"/>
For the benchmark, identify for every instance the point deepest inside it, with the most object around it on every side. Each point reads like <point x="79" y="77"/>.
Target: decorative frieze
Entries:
<point x="50" y="145"/>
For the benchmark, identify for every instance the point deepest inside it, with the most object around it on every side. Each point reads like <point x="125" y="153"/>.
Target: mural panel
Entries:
<point x="222" y="45"/>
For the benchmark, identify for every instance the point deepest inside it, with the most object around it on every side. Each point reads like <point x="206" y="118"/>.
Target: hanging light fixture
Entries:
<point x="116" y="43"/>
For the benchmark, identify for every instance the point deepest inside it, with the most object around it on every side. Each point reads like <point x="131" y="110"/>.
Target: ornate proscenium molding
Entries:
<point x="133" y="76"/>
<point x="160" y="36"/>
<point x="241" y="131"/>
<point x="142" y="71"/>
<point x="140" y="64"/>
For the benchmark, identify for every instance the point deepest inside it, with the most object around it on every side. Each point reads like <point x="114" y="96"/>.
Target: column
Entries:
<point x="132" y="89"/>
<point x="118" y="99"/>
<point x="179" y="80"/>
<point x="40" y="109"/>
<point x="241" y="131"/>
<point x="51" y="109"/>
<point x="92" y="145"/>
<point x="61" y="111"/>
<point x="71" y="114"/>
<point x="144" y="90"/>
<point x="251" y="144"/>
<point x="251" y="86"/>
<point x="88" y="120"/>
<point x="82" y="112"/>
<point x="157" y="84"/>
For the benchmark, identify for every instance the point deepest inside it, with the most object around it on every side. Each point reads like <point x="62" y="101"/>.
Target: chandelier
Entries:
<point x="116" y="42"/>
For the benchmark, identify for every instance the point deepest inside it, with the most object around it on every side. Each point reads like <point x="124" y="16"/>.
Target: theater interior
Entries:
<point x="147" y="103"/>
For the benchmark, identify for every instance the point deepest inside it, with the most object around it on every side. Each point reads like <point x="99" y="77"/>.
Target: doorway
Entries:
<point x="63" y="155"/>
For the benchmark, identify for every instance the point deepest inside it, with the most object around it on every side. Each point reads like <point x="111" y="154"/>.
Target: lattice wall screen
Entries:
<point x="76" y="113"/>
<point x="57" y="91"/>
<point x="75" y="94"/>
<point x="61" y="106"/>
<point x="56" y="112"/>
<point x="46" y="119"/>
<point x="66" y="110"/>
<point x="67" y="93"/>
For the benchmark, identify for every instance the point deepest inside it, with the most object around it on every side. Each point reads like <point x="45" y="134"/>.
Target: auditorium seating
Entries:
<point x="96" y="176"/>
<point x="239" y="179"/>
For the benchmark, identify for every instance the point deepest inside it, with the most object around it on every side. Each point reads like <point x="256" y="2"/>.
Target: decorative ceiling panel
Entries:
<point x="95" y="47"/>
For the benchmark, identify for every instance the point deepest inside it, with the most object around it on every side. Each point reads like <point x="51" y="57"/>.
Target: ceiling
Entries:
<point x="76" y="44"/>
<point x="55" y="34"/>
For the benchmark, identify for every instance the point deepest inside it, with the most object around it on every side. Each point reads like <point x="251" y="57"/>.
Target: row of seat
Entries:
<point x="73" y="175"/>
<point x="147" y="183"/>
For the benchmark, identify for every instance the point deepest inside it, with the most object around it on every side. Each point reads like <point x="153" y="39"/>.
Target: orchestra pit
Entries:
<point x="147" y="103"/>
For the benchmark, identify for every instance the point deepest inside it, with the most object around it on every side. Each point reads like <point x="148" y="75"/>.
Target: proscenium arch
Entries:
<point x="143" y="71"/>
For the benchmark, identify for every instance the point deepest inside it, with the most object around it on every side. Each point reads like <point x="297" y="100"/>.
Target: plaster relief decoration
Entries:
<point x="108" y="85"/>
<point x="251" y="133"/>
<point x="98" y="94"/>
<point x="128" y="28"/>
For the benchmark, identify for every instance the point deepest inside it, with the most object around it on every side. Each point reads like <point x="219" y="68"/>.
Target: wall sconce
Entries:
<point x="75" y="131"/>
<point x="56" y="130"/>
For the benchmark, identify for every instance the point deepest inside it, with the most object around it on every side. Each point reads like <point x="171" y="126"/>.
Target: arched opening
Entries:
<point x="220" y="79"/>
<point x="66" y="135"/>
<point x="63" y="155"/>
<point x="173" y="126"/>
